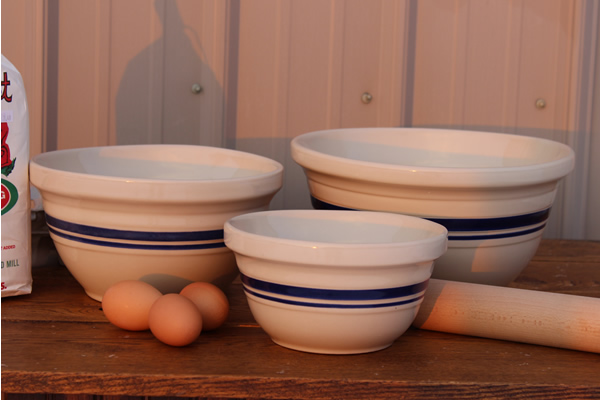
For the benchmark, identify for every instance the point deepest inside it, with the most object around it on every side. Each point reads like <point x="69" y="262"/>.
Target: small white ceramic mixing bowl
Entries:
<point x="493" y="192"/>
<point x="336" y="282"/>
<point x="149" y="212"/>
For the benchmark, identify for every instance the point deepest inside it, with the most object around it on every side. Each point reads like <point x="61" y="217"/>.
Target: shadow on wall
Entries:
<point x="155" y="102"/>
<point x="295" y="193"/>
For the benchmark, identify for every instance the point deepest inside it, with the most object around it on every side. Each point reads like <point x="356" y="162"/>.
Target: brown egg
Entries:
<point x="211" y="302"/>
<point x="175" y="320"/>
<point x="126" y="304"/>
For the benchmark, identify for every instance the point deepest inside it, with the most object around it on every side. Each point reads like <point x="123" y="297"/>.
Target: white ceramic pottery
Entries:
<point x="334" y="282"/>
<point x="493" y="192"/>
<point x="149" y="212"/>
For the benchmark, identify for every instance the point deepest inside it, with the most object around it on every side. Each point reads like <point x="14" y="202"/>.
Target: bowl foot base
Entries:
<point x="319" y="350"/>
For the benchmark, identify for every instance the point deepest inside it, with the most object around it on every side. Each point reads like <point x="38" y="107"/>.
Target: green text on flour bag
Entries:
<point x="16" y="205"/>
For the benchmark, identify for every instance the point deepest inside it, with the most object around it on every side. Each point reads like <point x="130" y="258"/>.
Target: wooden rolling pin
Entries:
<point x="519" y="315"/>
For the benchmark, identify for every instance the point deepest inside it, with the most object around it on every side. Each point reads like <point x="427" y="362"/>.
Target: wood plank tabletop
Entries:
<point x="57" y="341"/>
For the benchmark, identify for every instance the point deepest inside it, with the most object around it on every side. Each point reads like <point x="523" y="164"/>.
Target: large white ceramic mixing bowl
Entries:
<point x="149" y="212"/>
<point x="336" y="282"/>
<point x="493" y="192"/>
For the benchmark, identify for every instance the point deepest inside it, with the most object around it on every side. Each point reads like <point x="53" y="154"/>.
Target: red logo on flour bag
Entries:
<point x="10" y="194"/>
<point x="7" y="163"/>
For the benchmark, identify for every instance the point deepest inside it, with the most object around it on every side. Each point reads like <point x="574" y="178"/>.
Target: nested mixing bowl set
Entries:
<point x="345" y="277"/>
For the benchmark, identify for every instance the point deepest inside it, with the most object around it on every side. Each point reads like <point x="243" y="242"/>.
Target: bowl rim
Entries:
<point x="343" y="254"/>
<point x="77" y="184"/>
<point x="316" y="161"/>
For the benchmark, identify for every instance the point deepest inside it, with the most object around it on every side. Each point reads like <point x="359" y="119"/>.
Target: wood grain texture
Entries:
<point x="57" y="341"/>
<point x="520" y="315"/>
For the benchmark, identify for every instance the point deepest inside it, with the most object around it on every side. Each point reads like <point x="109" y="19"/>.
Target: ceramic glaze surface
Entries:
<point x="427" y="148"/>
<point x="168" y="173"/>
<point x="433" y="157"/>
<point x="154" y="162"/>
<point x="319" y="281"/>
<point x="149" y="212"/>
<point x="493" y="192"/>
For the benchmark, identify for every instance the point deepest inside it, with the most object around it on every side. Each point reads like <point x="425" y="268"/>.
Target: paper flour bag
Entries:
<point x="16" y="206"/>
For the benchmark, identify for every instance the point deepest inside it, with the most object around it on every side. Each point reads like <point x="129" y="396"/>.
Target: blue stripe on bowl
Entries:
<point x="518" y="225"/>
<point x="88" y="230"/>
<point x="337" y="305"/>
<point x="197" y="240"/>
<point x="493" y="224"/>
<point x="496" y="235"/>
<point x="323" y="205"/>
<point x="125" y="245"/>
<point x="334" y="294"/>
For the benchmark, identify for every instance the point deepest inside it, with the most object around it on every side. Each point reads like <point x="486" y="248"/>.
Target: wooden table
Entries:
<point x="57" y="340"/>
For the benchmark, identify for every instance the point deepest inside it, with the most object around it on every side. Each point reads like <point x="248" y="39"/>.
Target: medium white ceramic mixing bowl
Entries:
<point x="493" y="192"/>
<point x="149" y="212"/>
<point x="335" y="282"/>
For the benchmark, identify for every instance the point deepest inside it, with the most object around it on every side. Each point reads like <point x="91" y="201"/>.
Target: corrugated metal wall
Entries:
<point x="110" y="72"/>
